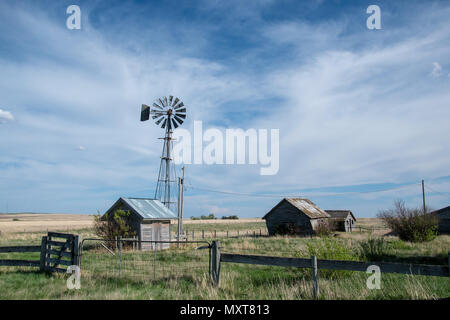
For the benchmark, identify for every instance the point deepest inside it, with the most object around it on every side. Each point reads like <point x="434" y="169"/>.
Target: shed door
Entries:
<point x="146" y="235"/>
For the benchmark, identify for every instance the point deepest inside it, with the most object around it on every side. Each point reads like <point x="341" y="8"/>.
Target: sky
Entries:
<point x="362" y="114"/>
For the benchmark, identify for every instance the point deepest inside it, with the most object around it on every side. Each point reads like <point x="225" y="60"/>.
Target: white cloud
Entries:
<point x="437" y="70"/>
<point x="5" y="116"/>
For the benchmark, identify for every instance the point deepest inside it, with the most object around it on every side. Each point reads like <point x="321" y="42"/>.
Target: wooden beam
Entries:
<point x="266" y="260"/>
<point x="386" y="267"/>
<point x="20" y="249"/>
<point x="20" y="263"/>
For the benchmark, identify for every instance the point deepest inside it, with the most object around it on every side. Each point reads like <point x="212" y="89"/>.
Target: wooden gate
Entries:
<point x="61" y="249"/>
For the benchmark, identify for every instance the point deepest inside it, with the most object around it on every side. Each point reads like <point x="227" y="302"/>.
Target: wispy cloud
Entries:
<point x="5" y="116"/>
<point x="353" y="106"/>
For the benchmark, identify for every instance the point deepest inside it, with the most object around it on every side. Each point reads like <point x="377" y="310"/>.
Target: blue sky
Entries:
<point x="363" y="114"/>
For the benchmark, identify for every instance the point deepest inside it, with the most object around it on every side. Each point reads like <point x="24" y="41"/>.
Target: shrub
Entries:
<point x="325" y="229"/>
<point x="374" y="249"/>
<point x="410" y="224"/>
<point x="330" y="249"/>
<point x="113" y="225"/>
<point x="230" y="217"/>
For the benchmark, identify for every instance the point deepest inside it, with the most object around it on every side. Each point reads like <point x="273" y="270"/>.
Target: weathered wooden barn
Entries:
<point x="342" y="220"/>
<point x="149" y="218"/>
<point x="295" y="216"/>
<point x="443" y="216"/>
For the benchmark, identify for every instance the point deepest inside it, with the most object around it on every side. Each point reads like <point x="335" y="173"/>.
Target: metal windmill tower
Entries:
<point x="168" y="113"/>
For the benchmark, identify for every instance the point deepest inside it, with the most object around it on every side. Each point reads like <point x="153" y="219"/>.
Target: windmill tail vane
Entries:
<point x="168" y="113"/>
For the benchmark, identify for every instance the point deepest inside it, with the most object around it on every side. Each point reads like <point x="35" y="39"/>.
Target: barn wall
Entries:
<point x="285" y="214"/>
<point x="444" y="222"/>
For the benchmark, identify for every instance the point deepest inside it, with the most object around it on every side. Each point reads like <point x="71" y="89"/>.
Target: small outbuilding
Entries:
<point x="149" y="219"/>
<point x="443" y="216"/>
<point x="342" y="220"/>
<point x="295" y="216"/>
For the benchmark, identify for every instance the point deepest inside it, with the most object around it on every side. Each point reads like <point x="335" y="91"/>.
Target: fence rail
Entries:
<point x="385" y="267"/>
<point x="48" y="253"/>
<point x="316" y="264"/>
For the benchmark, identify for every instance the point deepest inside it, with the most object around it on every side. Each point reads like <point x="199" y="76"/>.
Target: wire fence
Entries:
<point x="144" y="261"/>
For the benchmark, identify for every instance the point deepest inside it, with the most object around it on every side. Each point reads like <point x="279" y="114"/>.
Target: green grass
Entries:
<point x="182" y="273"/>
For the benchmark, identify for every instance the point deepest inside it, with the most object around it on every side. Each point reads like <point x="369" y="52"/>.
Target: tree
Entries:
<point x="113" y="225"/>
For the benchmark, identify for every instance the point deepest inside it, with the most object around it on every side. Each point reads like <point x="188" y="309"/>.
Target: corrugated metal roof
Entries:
<point x="304" y="205"/>
<point x="308" y="208"/>
<point x="149" y="208"/>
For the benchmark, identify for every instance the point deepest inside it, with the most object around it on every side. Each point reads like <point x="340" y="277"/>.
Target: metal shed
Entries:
<point x="343" y="220"/>
<point x="443" y="216"/>
<point x="295" y="216"/>
<point x="149" y="218"/>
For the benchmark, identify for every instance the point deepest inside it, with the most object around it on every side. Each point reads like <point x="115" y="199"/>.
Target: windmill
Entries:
<point x="168" y="113"/>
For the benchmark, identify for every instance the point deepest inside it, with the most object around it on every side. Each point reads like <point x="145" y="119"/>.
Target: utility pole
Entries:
<point x="179" y="211"/>
<point x="182" y="198"/>
<point x="423" y="197"/>
<point x="180" y="206"/>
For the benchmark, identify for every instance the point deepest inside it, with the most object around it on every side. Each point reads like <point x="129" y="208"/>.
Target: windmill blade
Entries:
<point x="181" y="115"/>
<point x="180" y="121"/>
<point x="162" y="103"/>
<point x="156" y="116"/>
<point x="164" y="123"/>
<point x="165" y="100"/>
<point x="159" y="121"/>
<point x="175" y="102"/>
<point x="145" y="112"/>
<point x="174" y="123"/>
<point x="157" y="106"/>
<point x="182" y="110"/>
<point x="170" y="100"/>
<point x="179" y="106"/>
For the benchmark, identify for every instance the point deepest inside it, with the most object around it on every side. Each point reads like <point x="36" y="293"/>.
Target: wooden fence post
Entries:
<point x="314" y="276"/>
<point x="203" y="234"/>
<point x="120" y="253"/>
<point x="215" y="234"/>
<point x="43" y="253"/>
<point x="76" y="250"/>
<point x="448" y="263"/>
<point x="193" y="235"/>
<point x="215" y="262"/>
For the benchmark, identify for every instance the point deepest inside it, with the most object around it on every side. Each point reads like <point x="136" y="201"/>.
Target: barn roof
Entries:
<point x="147" y="208"/>
<point x="304" y="205"/>
<point x="340" y="214"/>
<point x="441" y="210"/>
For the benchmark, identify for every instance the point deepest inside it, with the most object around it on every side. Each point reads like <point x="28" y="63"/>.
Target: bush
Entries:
<point x="330" y="249"/>
<point x="113" y="225"/>
<point x="230" y="217"/>
<point x="410" y="224"/>
<point x="325" y="229"/>
<point x="374" y="249"/>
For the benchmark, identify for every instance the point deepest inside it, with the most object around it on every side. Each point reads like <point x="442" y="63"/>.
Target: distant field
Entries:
<point x="35" y="222"/>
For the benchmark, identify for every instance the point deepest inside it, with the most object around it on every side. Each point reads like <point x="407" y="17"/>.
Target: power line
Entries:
<point x="298" y="195"/>
<point x="441" y="193"/>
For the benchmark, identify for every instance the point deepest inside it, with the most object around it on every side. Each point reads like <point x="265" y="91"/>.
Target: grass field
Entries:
<point x="182" y="273"/>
